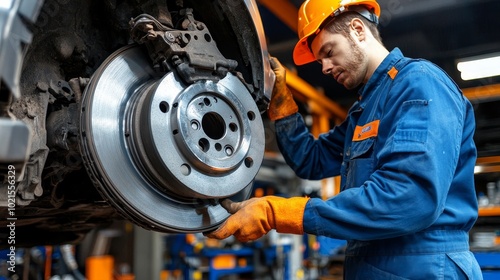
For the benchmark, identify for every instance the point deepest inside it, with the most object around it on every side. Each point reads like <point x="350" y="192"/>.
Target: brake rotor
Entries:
<point x="163" y="152"/>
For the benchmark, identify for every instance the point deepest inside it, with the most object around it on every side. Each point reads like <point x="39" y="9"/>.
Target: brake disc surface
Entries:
<point x="163" y="152"/>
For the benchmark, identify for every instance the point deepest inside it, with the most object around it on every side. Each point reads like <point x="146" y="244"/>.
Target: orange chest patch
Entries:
<point x="366" y="131"/>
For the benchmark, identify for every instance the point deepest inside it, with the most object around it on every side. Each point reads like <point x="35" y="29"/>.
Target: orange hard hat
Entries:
<point x="313" y="13"/>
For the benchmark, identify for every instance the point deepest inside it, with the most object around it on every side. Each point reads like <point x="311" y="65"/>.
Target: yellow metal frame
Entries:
<point x="489" y="211"/>
<point x="487" y="165"/>
<point x="284" y="10"/>
<point x="482" y="92"/>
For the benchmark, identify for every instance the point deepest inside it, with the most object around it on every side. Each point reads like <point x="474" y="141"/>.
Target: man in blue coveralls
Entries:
<point x="405" y="154"/>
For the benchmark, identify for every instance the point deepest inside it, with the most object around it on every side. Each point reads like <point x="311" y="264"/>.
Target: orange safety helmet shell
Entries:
<point x="313" y="13"/>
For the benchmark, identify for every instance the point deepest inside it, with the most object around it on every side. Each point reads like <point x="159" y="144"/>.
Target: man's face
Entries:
<point x="340" y="57"/>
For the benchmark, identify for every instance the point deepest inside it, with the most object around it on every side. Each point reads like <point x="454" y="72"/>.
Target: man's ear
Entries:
<point x="358" y="28"/>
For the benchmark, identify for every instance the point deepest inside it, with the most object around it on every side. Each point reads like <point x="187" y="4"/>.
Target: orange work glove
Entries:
<point x="255" y="217"/>
<point x="282" y="103"/>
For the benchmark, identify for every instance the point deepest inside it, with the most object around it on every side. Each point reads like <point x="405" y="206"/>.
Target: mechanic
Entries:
<point x="405" y="154"/>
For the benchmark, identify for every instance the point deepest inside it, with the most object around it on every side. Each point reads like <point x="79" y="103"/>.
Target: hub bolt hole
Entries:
<point x="185" y="169"/>
<point x="195" y="125"/>
<point x="228" y="150"/>
<point x="218" y="147"/>
<point x="233" y="127"/>
<point x="204" y="144"/>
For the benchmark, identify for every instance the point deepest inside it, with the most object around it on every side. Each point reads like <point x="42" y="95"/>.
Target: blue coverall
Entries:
<point x="406" y="157"/>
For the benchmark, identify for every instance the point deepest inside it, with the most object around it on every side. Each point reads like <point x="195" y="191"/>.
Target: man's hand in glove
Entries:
<point x="282" y="103"/>
<point x="255" y="217"/>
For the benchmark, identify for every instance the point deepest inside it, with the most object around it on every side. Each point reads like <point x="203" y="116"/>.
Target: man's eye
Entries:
<point x="330" y="53"/>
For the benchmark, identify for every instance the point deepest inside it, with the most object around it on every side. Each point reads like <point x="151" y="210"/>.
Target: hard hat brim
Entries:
<point x="302" y="53"/>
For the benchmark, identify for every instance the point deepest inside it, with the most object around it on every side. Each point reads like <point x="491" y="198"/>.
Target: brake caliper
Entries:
<point x="192" y="52"/>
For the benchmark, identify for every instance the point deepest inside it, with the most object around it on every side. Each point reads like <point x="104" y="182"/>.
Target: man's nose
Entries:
<point x="326" y="67"/>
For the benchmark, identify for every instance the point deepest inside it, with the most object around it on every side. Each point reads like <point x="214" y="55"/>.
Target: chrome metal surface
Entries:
<point x="162" y="152"/>
<point x="14" y="35"/>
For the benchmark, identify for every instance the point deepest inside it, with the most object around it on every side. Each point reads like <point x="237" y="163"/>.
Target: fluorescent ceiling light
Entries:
<point x="5" y="4"/>
<point x="479" y="66"/>
<point x="478" y="169"/>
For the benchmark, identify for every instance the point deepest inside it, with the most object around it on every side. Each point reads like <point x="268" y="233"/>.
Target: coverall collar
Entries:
<point x="380" y="73"/>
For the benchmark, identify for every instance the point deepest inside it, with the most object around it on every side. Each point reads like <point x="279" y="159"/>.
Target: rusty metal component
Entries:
<point x="191" y="51"/>
<point x="32" y="111"/>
